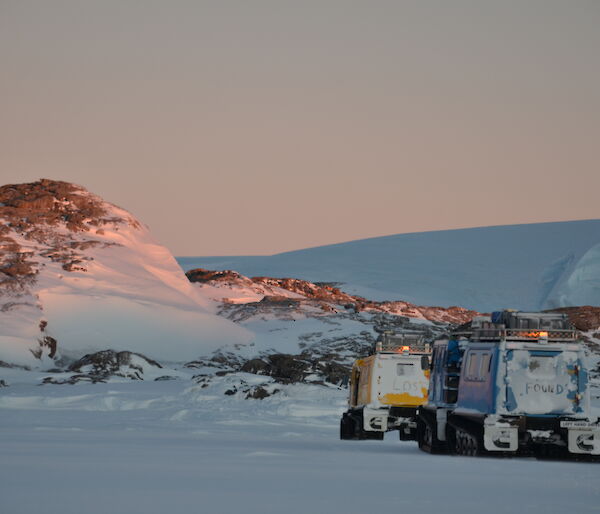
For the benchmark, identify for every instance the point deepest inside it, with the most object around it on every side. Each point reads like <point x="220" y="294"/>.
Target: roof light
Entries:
<point x="533" y="334"/>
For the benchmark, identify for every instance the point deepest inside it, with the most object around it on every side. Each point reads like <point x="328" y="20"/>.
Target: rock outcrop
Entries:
<point x="584" y="318"/>
<point x="321" y="296"/>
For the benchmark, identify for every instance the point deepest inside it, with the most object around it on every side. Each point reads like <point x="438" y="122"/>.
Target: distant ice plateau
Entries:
<point x="528" y="267"/>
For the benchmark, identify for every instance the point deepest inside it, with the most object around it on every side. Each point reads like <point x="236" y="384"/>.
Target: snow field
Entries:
<point x="177" y="447"/>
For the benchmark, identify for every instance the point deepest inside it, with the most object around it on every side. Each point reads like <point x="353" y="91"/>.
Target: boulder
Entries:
<point x="101" y="365"/>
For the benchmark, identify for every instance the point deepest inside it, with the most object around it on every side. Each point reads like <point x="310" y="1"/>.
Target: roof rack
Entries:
<point x="411" y="342"/>
<point x="504" y="334"/>
<point x="509" y="325"/>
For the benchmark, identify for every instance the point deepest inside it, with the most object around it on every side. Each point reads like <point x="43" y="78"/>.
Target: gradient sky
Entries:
<point x="255" y="127"/>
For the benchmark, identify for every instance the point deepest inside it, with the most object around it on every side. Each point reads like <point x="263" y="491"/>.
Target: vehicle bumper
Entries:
<point x="583" y="436"/>
<point x="510" y="434"/>
<point x="394" y="418"/>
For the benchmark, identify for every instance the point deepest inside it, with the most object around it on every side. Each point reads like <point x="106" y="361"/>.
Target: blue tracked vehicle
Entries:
<point x="510" y="383"/>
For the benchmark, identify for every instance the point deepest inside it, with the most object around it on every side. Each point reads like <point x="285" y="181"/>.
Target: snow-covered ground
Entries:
<point x="177" y="447"/>
<point x="528" y="267"/>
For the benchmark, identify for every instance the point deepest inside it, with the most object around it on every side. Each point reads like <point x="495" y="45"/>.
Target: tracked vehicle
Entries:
<point x="387" y="387"/>
<point x="510" y="383"/>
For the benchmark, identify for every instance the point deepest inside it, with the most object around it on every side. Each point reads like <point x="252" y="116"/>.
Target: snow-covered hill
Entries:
<point x="78" y="274"/>
<point x="529" y="267"/>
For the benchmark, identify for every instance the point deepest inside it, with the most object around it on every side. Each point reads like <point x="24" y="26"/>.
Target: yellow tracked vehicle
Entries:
<point x="387" y="387"/>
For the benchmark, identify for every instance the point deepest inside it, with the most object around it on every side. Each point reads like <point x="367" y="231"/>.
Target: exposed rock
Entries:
<point x="201" y="364"/>
<point x="256" y="366"/>
<point x="49" y="202"/>
<point x="226" y="359"/>
<point x="282" y="301"/>
<point x="319" y="297"/>
<point x="308" y="289"/>
<point x="259" y="393"/>
<point x="202" y="379"/>
<point x="13" y="366"/>
<point x="584" y="318"/>
<point x="50" y="343"/>
<point x="50" y="213"/>
<point x="287" y="368"/>
<point x="333" y="372"/>
<point x="326" y="358"/>
<point x="75" y="379"/>
<point x="205" y="276"/>
<point x="3" y="383"/>
<point x="283" y="308"/>
<point x="101" y="365"/>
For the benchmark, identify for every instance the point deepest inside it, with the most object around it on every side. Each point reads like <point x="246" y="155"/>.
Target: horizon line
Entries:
<point x="389" y="235"/>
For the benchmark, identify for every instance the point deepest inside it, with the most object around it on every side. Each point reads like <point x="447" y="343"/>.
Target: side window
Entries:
<point x="478" y="366"/>
<point x="473" y="366"/>
<point x="484" y="368"/>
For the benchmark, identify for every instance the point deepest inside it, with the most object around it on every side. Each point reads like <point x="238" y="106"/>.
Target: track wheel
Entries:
<point x="459" y="446"/>
<point x="466" y="444"/>
<point x="345" y="428"/>
<point x="427" y="438"/>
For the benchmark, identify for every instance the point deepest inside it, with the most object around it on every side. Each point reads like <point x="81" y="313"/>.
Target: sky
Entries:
<point x="257" y="127"/>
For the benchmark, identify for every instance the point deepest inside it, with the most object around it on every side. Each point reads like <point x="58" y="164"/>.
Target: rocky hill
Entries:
<point x="78" y="274"/>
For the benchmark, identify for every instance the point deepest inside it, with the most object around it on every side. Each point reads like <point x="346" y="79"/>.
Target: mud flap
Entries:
<point x="375" y="420"/>
<point x="584" y="441"/>
<point x="500" y="439"/>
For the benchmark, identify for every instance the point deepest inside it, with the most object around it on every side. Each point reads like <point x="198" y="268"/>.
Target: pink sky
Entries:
<point x="256" y="127"/>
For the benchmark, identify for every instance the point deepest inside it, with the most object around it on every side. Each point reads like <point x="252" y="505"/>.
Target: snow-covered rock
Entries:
<point x="104" y="365"/>
<point x="79" y="275"/>
<point x="243" y="298"/>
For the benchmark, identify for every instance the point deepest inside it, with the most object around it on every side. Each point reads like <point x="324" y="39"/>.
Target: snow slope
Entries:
<point x="106" y="284"/>
<point x="527" y="267"/>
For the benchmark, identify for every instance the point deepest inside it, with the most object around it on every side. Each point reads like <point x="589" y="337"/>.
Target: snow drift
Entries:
<point x="78" y="275"/>
<point x="528" y="267"/>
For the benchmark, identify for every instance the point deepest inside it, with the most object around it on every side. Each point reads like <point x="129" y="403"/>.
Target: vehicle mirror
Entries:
<point x="424" y="362"/>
